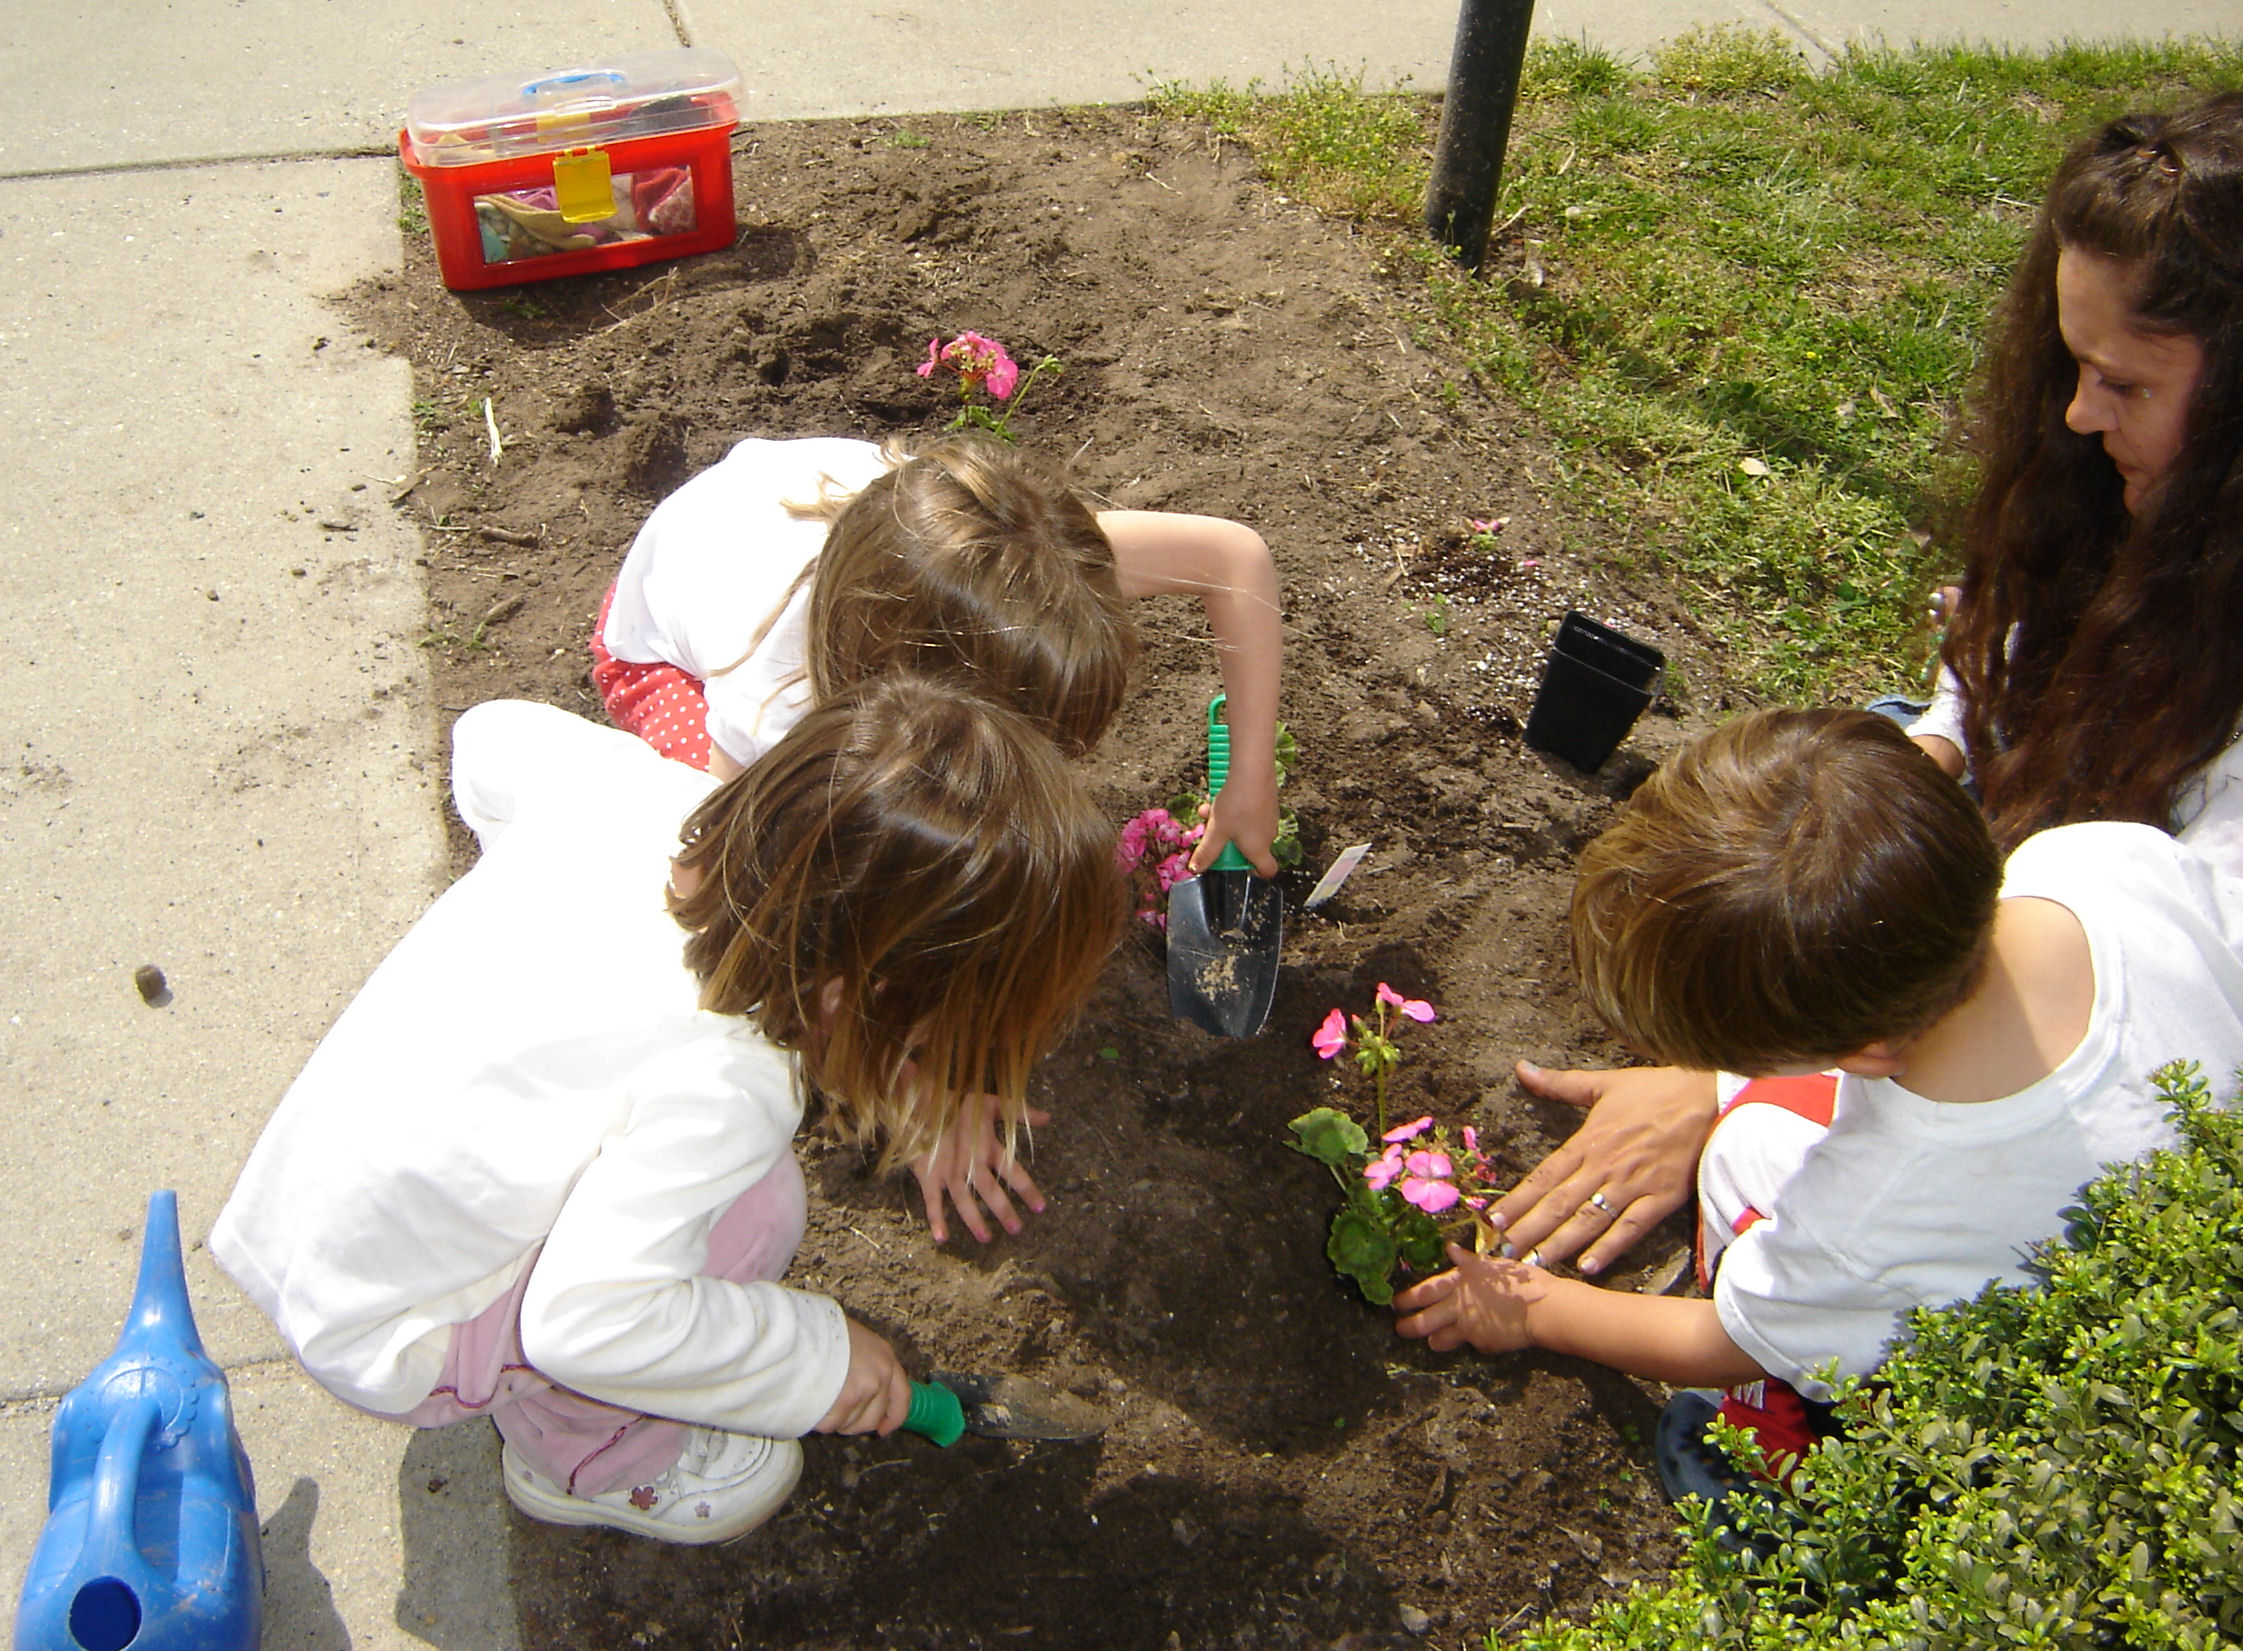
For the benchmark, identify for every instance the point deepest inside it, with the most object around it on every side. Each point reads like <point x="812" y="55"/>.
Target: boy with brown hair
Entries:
<point x="1805" y="892"/>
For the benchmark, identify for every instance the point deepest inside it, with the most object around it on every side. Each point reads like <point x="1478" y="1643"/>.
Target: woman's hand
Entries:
<point x="1632" y="1162"/>
<point x="970" y="1168"/>
<point x="876" y="1394"/>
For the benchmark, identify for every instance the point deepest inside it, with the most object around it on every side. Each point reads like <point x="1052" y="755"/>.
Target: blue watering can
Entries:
<point x="151" y="1533"/>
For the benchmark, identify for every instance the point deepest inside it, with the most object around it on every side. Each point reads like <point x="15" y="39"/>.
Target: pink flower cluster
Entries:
<point x="1427" y="1175"/>
<point x="1331" y="1037"/>
<point x="1154" y="853"/>
<point x="976" y="360"/>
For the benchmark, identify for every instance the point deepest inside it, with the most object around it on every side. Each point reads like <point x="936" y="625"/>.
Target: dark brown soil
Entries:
<point x="1281" y="1468"/>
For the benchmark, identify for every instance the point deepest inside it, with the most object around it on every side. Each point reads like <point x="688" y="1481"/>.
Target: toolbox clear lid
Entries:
<point x="633" y="95"/>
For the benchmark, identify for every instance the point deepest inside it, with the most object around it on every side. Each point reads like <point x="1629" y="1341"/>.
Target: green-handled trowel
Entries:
<point x="1226" y="926"/>
<point x="949" y="1404"/>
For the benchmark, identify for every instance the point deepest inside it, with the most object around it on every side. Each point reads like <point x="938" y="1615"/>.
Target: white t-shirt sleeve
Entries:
<point x="2209" y="818"/>
<point x="1792" y="1307"/>
<point x="706" y="580"/>
<point x="617" y="1307"/>
<point x="506" y="750"/>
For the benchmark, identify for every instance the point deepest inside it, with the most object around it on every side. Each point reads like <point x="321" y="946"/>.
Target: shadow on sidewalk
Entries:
<point x="299" y="1605"/>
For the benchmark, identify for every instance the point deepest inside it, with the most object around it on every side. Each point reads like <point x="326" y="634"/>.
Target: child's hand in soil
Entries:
<point x="1481" y="1300"/>
<point x="876" y="1394"/>
<point x="970" y="1168"/>
<point x="1243" y="812"/>
<point x="1632" y="1162"/>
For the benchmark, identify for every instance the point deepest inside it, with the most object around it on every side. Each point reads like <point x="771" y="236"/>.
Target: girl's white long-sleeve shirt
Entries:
<point x="529" y="1067"/>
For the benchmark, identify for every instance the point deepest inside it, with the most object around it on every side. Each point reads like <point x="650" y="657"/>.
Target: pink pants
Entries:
<point x="579" y="1442"/>
<point x="661" y="704"/>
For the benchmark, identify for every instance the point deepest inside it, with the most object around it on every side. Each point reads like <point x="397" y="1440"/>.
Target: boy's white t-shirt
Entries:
<point x="1908" y="1202"/>
<point x="529" y="1066"/>
<point x="715" y="562"/>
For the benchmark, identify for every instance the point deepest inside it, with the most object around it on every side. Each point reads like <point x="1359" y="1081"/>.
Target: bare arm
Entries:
<point x="1500" y="1306"/>
<point x="1228" y="567"/>
<point x="1943" y="751"/>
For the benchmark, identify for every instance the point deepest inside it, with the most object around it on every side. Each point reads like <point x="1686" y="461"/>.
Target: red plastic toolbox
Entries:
<point x="577" y="169"/>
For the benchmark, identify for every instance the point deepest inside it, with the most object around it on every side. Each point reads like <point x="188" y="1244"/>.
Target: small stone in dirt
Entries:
<point x="1415" y="1621"/>
<point x="154" y="989"/>
<point x="1184" y="1531"/>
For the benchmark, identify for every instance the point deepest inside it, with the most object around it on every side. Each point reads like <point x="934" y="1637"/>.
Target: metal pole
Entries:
<point x="1476" y="124"/>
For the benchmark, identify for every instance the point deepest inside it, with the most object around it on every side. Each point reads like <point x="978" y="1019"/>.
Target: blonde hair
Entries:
<point x="972" y="559"/>
<point x="911" y="875"/>
<point x="1790" y="888"/>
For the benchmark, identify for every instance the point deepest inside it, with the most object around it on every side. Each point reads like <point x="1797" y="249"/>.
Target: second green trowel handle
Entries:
<point x="1219" y="770"/>
<point x="936" y="1414"/>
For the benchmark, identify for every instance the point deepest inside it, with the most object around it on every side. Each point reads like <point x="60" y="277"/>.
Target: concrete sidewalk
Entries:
<point x="219" y="754"/>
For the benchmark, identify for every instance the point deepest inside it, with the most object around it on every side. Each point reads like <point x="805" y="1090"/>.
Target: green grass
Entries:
<point x="412" y="205"/>
<point x="1742" y="298"/>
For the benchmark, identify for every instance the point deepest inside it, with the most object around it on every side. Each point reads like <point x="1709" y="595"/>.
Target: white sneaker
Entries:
<point x="722" y="1485"/>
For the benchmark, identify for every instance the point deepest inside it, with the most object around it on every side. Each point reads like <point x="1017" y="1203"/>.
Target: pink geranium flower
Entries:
<point x="1381" y="1171"/>
<point x="1406" y="1132"/>
<point x="1153" y="851"/>
<point x="1430" y="1165"/>
<point x="976" y="360"/>
<point x="1430" y="1196"/>
<point x="1330" y="1038"/>
<point x="1416" y="1008"/>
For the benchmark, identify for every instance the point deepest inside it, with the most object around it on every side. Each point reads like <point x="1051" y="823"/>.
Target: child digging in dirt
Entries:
<point x="791" y="569"/>
<point x="1805" y="890"/>
<point x="541" y="1169"/>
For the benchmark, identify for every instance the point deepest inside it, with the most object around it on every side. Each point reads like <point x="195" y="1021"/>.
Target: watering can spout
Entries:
<point x="151" y="1540"/>
<point x="161" y="1314"/>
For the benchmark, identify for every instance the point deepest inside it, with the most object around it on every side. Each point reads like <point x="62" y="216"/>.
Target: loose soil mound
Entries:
<point x="1281" y="1469"/>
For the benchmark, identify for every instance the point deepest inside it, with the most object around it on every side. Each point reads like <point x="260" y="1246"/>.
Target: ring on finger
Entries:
<point x="1598" y="1201"/>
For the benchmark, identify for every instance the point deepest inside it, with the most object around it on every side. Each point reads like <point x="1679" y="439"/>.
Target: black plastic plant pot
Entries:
<point x="1594" y="686"/>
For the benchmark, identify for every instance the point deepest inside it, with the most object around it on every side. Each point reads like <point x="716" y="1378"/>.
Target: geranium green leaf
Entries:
<point x="1330" y="1137"/>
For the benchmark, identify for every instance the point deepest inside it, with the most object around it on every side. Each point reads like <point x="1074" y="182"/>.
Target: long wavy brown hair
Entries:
<point x="913" y="891"/>
<point x="2100" y="654"/>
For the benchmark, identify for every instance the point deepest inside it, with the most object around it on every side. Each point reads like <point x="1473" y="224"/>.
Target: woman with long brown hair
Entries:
<point x="2094" y="666"/>
<point x="2094" y="670"/>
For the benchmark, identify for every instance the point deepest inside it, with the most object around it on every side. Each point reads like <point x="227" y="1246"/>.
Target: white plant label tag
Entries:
<point x="1329" y="884"/>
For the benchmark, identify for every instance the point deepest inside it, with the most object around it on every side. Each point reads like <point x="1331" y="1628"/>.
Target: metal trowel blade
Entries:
<point x="1013" y="1407"/>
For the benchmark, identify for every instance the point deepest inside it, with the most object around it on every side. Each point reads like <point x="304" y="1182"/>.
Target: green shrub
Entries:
<point x="2046" y="1467"/>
